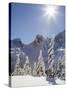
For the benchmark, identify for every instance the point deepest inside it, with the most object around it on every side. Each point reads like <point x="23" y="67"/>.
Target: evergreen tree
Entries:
<point x="51" y="68"/>
<point x="40" y="65"/>
<point x="18" y="70"/>
<point x="61" y="67"/>
<point x="34" y="69"/>
<point x="27" y="68"/>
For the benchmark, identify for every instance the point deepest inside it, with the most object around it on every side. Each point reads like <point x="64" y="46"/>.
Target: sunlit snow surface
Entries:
<point x="21" y="81"/>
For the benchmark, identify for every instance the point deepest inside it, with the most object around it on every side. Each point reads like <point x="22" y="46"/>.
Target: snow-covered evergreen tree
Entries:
<point x="27" y="68"/>
<point x="40" y="65"/>
<point x="18" y="70"/>
<point x="34" y="69"/>
<point x="51" y="68"/>
<point x="61" y="67"/>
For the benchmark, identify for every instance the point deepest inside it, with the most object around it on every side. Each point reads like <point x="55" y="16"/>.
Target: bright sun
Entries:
<point x="50" y="11"/>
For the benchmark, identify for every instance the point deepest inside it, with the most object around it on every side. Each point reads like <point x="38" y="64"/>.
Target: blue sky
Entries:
<point x="28" y="20"/>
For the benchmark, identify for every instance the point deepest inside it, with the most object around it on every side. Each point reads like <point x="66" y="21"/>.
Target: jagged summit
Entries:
<point x="39" y="38"/>
<point x="16" y="43"/>
<point x="38" y="41"/>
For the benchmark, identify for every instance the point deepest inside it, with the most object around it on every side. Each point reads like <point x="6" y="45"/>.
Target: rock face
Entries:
<point x="32" y="50"/>
<point x="60" y="40"/>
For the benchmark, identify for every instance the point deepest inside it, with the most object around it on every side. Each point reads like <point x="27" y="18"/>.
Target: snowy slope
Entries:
<point x="19" y="81"/>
